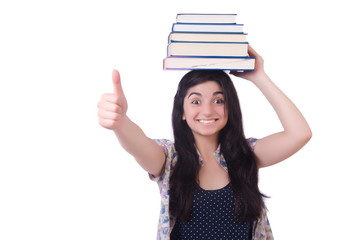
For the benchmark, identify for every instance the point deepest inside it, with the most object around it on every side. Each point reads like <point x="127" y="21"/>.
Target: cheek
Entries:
<point x="222" y="111"/>
<point x="187" y="112"/>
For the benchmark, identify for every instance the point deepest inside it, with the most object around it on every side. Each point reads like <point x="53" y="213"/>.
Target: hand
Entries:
<point x="112" y="107"/>
<point x="258" y="69"/>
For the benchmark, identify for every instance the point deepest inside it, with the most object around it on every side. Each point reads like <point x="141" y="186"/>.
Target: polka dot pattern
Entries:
<point x="212" y="218"/>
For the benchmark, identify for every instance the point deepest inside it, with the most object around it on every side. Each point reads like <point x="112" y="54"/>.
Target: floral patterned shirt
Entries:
<point x="166" y="222"/>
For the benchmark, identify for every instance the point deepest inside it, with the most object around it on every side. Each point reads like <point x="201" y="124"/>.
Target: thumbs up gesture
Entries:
<point x="112" y="107"/>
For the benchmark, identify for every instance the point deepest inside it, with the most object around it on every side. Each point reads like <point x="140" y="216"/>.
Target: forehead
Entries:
<point x="205" y="88"/>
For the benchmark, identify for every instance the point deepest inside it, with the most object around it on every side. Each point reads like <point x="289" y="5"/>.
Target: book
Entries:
<point x="207" y="41"/>
<point x="205" y="18"/>
<point x="206" y="37"/>
<point x="192" y="63"/>
<point x="205" y="27"/>
<point x="207" y="49"/>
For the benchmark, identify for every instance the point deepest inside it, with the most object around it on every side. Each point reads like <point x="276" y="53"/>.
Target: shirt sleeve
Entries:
<point x="262" y="228"/>
<point x="252" y="143"/>
<point x="169" y="150"/>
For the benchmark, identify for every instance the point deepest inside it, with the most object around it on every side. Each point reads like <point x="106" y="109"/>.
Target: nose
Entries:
<point x="207" y="109"/>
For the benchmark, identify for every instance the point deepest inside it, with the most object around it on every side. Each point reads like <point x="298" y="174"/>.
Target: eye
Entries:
<point x="219" y="101"/>
<point x="196" y="102"/>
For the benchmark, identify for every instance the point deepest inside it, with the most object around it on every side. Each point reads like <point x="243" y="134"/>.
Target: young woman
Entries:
<point x="208" y="177"/>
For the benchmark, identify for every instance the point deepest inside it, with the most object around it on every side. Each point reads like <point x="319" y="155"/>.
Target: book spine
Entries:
<point x="175" y="41"/>
<point x="205" y="18"/>
<point x="203" y="56"/>
<point x="246" y="64"/>
<point x="218" y="24"/>
<point x="211" y="49"/>
<point x="233" y="28"/>
<point x="218" y="57"/>
<point x="207" y="37"/>
<point x="209" y="68"/>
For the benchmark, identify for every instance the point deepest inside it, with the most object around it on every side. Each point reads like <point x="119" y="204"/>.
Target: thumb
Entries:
<point x="117" y="87"/>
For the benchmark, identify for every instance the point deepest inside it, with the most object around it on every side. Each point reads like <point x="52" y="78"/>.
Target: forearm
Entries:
<point x="290" y="117"/>
<point x="112" y="114"/>
<point x="278" y="146"/>
<point x="146" y="151"/>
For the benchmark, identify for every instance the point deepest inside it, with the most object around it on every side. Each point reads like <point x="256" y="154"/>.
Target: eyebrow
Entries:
<point x="199" y="94"/>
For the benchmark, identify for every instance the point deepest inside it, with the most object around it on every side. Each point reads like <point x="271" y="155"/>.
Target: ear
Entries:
<point x="183" y="116"/>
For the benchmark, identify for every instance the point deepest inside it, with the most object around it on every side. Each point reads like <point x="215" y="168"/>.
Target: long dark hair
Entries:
<point x="240" y="160"/>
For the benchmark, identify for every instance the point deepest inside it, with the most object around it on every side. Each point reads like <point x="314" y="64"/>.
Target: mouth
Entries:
<point x="207" y="121"/>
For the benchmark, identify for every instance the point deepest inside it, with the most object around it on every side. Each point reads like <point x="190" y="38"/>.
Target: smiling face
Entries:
<point x="204" y="109"/>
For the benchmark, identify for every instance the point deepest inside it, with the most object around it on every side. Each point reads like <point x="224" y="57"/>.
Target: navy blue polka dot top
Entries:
<point x="212" y="217"/>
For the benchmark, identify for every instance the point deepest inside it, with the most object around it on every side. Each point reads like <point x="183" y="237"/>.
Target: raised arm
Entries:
<point x="112" y="109"/>
<point x="278" y="146"/>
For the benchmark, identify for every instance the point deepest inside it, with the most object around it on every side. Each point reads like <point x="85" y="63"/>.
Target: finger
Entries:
<point x="107" y="123"/>
<point x="252" y="52"/>
<point x="108" y="115"/>
<point x="117" y="87"/>
<point x="108" y="106"/>
<point x="110" y="97"/>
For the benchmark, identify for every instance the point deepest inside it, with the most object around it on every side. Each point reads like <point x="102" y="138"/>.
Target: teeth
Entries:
<point x="207" y="121"/>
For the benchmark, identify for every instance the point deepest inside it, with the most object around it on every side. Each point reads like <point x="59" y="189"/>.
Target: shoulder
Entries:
<point x="169" y="149"/>
<point x="167" y="145"/>
<point x="252" y="142"/>
<point x="170" y="158"/>
<point x="162" y="142"/>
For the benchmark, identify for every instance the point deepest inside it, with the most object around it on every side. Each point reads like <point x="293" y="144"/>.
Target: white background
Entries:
<point x="62" y="176"/>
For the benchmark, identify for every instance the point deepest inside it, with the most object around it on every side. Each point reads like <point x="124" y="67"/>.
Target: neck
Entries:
<point x="206" y="146"/>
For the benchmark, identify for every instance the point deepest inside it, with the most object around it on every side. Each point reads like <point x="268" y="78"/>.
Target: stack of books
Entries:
<point x="207" y="41"/>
